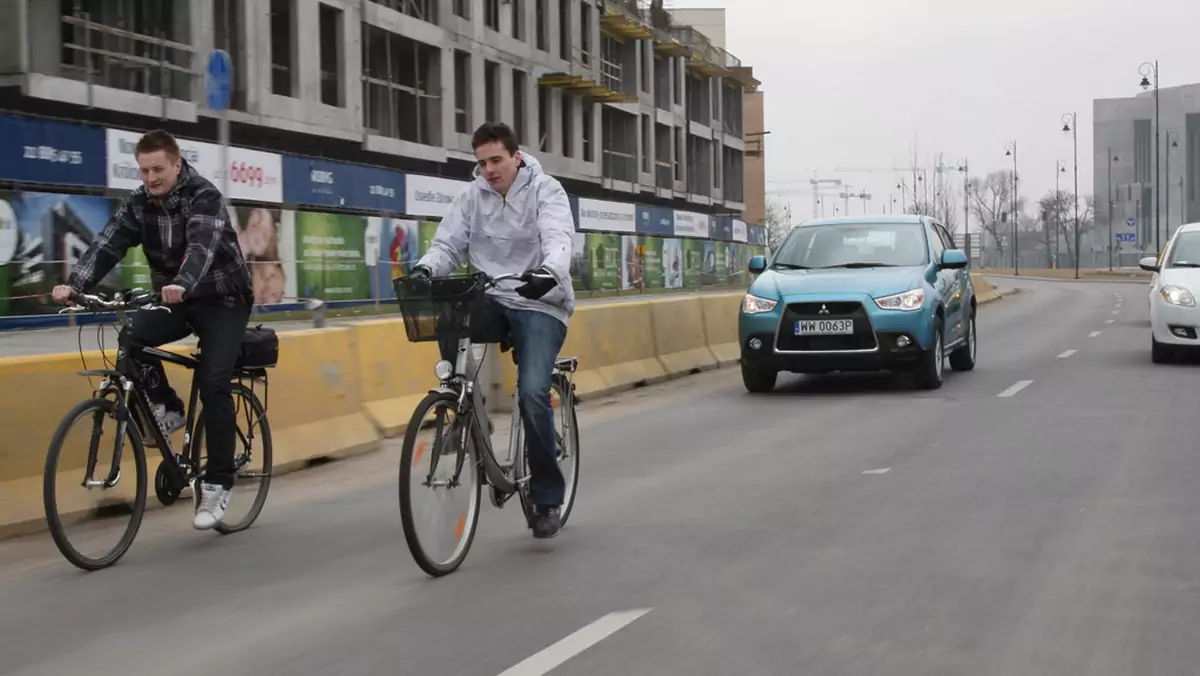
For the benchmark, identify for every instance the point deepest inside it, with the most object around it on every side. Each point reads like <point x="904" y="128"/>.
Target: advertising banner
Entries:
<point x="633" y="272"/>
<point x="655" y="221"/>
<point x="756" y="234"/>
<point x="398" y="247"/>
<point x="721" y="271"/>
<point x="260" y="236"/>
<point x="737" y="259"/>
<point x="672" y="263"/>
<point x="600" y="216"/>
<point x="430" y="195"/>
<point x="338" y="184"/>
<point x="689" y="224"/>
<point x="708" y="268"/>
<point x="693" y="262"/>
<point x="42" y="236"/>
<point x="721" y="228"/>
<point x="59" y="153"/>
<point x="739" y="231"/>
<point x="580" y="263"/>
<point x="332" y="261"/>
<point x="604" y="261"/>
<point x="253" y="175"/>
<point x="652" y="262"/>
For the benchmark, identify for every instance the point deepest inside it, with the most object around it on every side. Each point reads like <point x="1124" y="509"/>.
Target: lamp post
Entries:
<point x="1172" y="142"/>
<point x="1111" y="245"/>
<point x="1070" y="126"/>
<point x="1147" y="69"/>
<point x="1060" y="167"/>
<point x="1010" y="150"/>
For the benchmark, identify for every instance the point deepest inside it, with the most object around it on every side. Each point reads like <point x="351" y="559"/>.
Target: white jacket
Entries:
<point x="531" y="227"/>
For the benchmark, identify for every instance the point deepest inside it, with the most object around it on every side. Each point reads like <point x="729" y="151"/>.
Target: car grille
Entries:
<point x="863" y="337"/>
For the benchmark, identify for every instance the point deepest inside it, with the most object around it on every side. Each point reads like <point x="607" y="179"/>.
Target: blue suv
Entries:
<point x="868" y="293"/>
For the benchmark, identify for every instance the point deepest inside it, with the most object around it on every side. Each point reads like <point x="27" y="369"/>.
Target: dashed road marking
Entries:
<point x="1093" y="334"/>
<point x="1109" y="321"/>
<point x="1116" y="312"/>
<point x="878" y="471"/>
<point x="1016" y="387"/>
<point x="1067" y="353"/>
<point x="551" y="657"/>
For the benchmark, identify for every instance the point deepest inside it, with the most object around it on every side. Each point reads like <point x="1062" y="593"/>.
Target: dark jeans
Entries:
<point x="220" y="324"/>
<point x="536" y="338"/>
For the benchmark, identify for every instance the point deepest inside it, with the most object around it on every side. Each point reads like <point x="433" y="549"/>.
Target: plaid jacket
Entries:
<point x="187" y="237"/>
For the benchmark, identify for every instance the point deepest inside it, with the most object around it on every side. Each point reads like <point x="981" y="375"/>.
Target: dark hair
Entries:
<point x="490" y="132"/>
<point x="153" y="141"/>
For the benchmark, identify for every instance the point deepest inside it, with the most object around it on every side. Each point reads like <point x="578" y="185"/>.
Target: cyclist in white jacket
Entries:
<point x="513" y="218"/>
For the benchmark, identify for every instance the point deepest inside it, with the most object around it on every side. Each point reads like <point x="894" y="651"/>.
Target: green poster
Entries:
<point x="135" y="271"/>
<point x="722" y="269"/>
<point x="653" y="262"/>
<point x="332" y="260"/>
<point x="604" y="259"/>
<point x="736" y="255"/>
<point x="693" y="262"/>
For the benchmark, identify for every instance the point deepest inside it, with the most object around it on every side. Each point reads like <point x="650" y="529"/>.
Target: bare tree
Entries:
<point x="777" y="224"/>
<point x="1060" y="209"/>
<point x="991" y="204"/>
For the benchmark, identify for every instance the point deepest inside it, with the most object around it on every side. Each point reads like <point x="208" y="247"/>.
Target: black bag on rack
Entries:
<point x="260" y="348"/>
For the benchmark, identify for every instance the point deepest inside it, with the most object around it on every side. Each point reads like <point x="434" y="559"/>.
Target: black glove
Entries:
<point x="420" y="273"/>
<point x="538" y="286"/>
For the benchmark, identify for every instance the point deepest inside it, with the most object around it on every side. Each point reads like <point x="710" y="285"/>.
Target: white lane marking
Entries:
<point x="1109" y="321"/>
<point x="1116" y="312"/>
<point x="1066" y="354"/>
<point x="1016" y="387"/>
<point x="551" y="657"/>
<point x="1093" y="334"/>
<point x="878" y="471"/>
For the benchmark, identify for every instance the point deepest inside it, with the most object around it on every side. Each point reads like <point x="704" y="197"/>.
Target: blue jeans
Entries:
<point x="536" y="338"/>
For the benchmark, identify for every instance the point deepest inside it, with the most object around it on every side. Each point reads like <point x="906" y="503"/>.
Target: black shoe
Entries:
<point x="546" y="523"/>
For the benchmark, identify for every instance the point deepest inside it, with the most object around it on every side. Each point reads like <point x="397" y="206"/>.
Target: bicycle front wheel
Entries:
<point x="74" y="490"/>
<point x="440" y="486"/>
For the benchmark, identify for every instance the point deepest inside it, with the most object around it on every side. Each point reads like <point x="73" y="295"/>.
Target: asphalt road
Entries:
<point x="1048" y="532"/>
<point x="19" y="343"/>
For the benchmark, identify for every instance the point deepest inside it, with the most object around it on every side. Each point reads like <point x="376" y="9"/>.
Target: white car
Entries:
<point x="1174" y="314"/>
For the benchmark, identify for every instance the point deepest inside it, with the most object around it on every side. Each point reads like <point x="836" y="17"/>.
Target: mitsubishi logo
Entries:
<point x="824" y="310"/>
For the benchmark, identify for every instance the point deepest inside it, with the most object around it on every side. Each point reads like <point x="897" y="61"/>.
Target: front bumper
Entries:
<point x="882" y="339"/>
<point x="1175" y="325"/>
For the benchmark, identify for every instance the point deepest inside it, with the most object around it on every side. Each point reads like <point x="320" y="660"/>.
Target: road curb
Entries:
<point x="996" y="295"/>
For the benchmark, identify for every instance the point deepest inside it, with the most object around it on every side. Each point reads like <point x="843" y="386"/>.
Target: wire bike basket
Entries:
<point x="439" y="308"/>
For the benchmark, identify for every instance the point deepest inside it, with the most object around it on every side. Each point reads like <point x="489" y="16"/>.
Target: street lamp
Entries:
<point x="1172" y="142"/>
<point x="1060" y="167"/>
<point x="1147" y="69"/>
<point x="1070" y="127"/>
<point x="1111" y="244"/>
<point x="1010" y="150"/>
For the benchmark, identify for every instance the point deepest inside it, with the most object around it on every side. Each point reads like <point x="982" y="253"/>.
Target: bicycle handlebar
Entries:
<point x="135" y="299"/>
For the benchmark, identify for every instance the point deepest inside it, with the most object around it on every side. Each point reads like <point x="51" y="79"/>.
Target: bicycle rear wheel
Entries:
<point x="435" y="450"/>
<point x="62" y="510"/>
<point x="566" y="442"/>
<point x="252" y="466"/>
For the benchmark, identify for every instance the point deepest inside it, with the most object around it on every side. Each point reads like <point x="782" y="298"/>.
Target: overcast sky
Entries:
<point x="861" y="83"/>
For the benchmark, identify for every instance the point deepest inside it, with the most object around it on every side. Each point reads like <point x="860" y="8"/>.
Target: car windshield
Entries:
<point x="853" y="245"/>
<point x="1186" y="252"/>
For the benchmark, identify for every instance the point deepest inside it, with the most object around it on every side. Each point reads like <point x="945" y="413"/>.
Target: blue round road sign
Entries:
<point x="219" y="75"/>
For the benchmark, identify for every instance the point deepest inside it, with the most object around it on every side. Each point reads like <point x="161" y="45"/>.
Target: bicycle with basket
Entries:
<point x="121" y="398"/>
<point x="439" y="309"/>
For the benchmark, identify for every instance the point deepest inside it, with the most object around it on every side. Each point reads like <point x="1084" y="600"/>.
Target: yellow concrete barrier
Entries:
<point x="679" y="341"/>
<point x="721" y="326"/>
<point x="395" y="373"/>
<point x="982" y="286"/>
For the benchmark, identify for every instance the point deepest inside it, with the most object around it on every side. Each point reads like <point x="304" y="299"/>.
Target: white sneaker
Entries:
<point x="210" y="507"/>
<point x="168" y="421"/>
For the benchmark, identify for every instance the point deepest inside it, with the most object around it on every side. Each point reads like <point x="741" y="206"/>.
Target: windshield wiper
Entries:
<point x="789" y="266"/>
<point x="1185" y="264"/>
<point x="860" y="265"/>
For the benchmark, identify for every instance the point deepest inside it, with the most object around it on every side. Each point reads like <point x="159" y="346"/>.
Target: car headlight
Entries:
<point x="1177" y="295"/>
<point x="912" y="299"/>
<point x="753" y="305"/>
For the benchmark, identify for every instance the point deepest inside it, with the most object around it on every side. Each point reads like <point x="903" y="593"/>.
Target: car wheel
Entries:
<point x="963" y="359"/>
<point x="758" y="380"/>
<point x="928" y="375"/>
<point x="1159" y="353"/>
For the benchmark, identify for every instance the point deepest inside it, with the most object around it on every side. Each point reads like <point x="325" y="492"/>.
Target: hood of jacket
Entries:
<point x="529" y="171"/>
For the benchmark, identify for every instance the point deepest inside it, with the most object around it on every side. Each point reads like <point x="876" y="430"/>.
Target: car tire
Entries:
<point x="758" y="380"/>
<point x="929" y="374"/>
<point x="1159" y="353"/>
<point x="963" y="359"/>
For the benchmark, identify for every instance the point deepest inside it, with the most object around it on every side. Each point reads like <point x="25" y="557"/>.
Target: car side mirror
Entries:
<point x="954" y="259"/>
<point x="758" y="264"/>
<point x="1149" y="264"/>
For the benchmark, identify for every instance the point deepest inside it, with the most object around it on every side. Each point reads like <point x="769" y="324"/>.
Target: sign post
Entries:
<point x="218" y="83"/>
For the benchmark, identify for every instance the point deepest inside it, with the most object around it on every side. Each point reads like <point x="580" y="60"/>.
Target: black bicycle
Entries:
<point x="121" y="397"/>
<point x="440" y="309"/>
